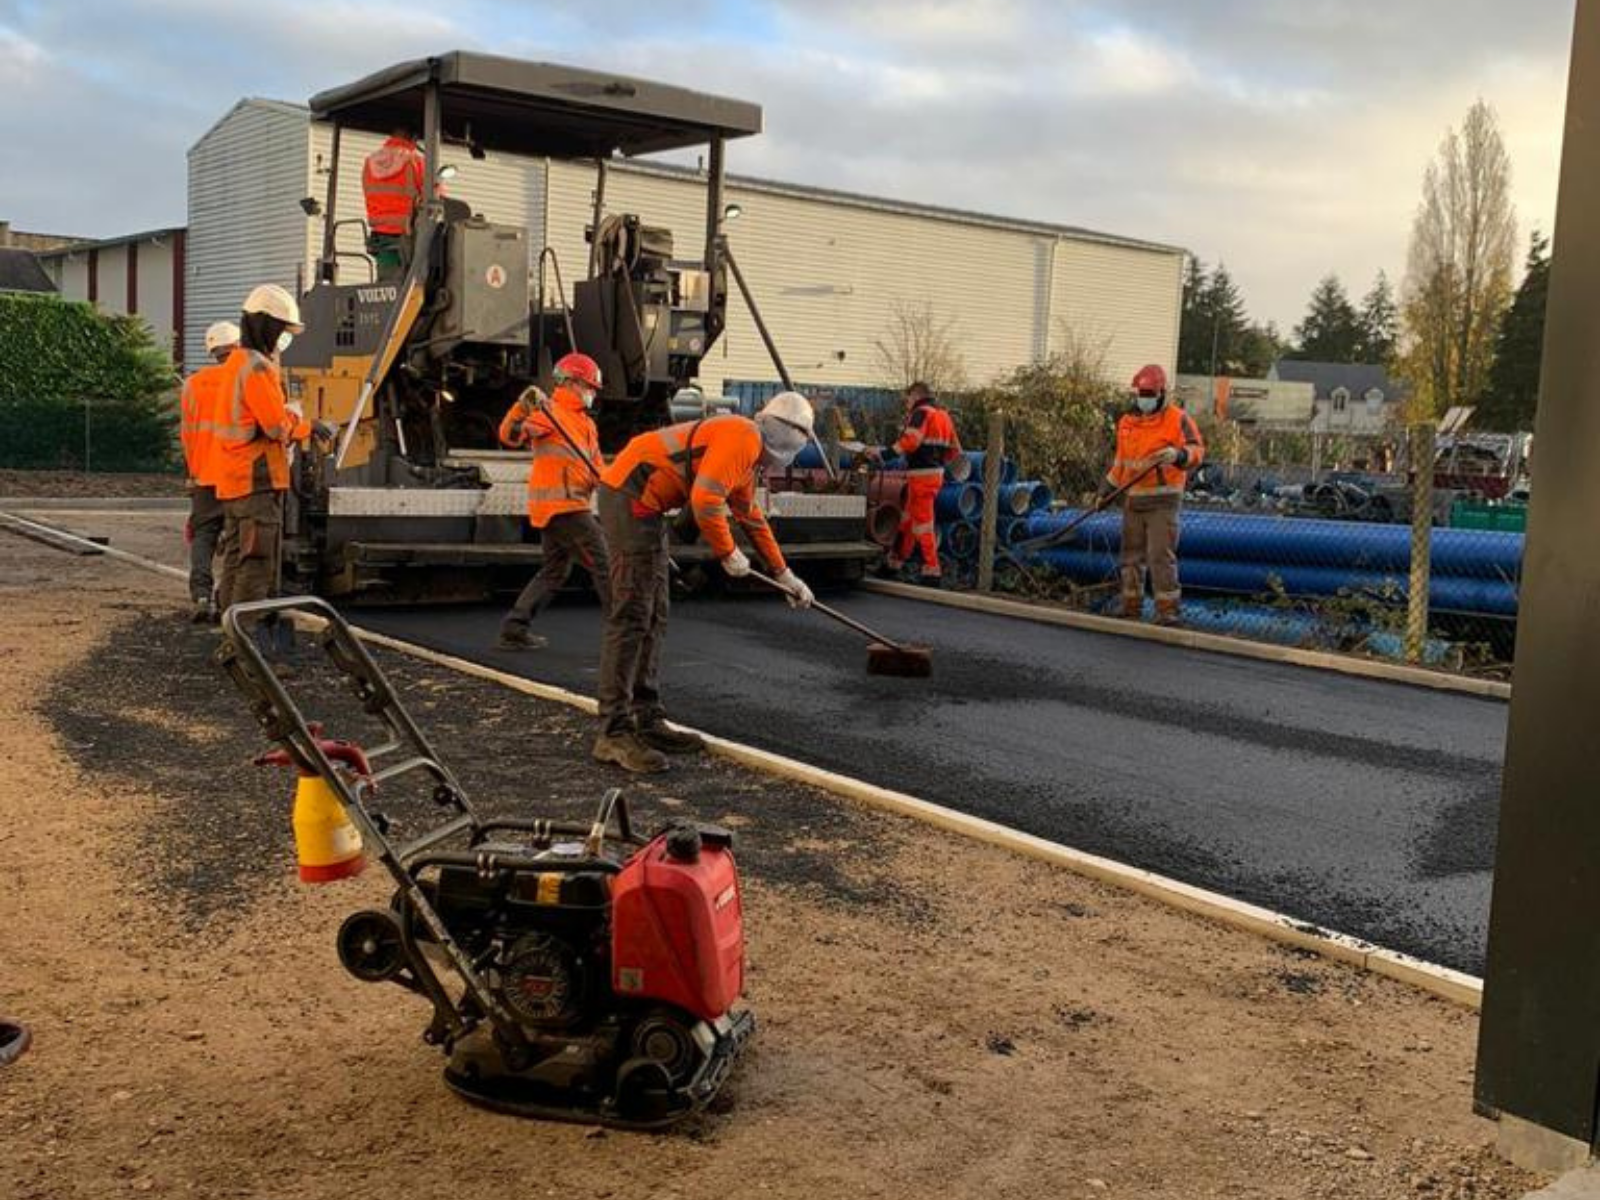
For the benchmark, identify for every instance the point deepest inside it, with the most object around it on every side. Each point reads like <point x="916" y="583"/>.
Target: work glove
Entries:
<point x="1165" y="456"/>
<point x="800" y="596"/>
<point x="736" y="564"/>
<point x="874" y="454"/>
<point x="325" y="431"/>
<point x="532" y="398"/>
<point x="1103" y="492"/>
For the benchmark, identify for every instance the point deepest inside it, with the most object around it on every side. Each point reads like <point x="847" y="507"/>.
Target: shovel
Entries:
<point x="883" y="656"/>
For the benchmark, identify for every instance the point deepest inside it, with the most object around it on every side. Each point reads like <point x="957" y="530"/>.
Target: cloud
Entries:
<point x="1286" y="139"/>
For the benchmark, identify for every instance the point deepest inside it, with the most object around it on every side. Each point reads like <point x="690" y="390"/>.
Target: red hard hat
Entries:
<point x="578" y="368"/>
<point x="1150" y="379"/>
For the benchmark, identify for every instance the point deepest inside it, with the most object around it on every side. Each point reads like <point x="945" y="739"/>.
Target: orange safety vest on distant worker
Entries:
<point x="199" y="417"/>
<point x="392" y="180"/>
<point x="1140" y="435"/>
<point x="253" y="427"/>
<point x="710" y="465"/>
<point x="928" y="440"/>
<point x="560" y="479"/>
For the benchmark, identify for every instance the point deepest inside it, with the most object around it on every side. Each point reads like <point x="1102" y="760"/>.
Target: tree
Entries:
<point x="918" y="345"/>
<point x="1513" y="393"/>
<point x="1215" y="336"/>
<point x="1194" y="321"/>
<point x="1331" y="331"/>
<point x="1379" y="323"/>
<point x="1458" y="268"/>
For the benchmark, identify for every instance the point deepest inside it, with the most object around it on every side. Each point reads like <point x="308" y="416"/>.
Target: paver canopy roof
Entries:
<point x="537" y="109"/>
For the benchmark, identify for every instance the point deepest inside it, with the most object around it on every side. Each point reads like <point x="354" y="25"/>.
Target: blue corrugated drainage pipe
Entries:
<point x="1353" y="545"/>
<point x="959" y="502"/>
<point x="1008" y="467"/>
<point x="1024" y="497"/>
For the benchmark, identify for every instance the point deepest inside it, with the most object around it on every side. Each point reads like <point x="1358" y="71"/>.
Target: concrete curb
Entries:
<point x="1194" y="640"/>
<point x="1440" y="981"/>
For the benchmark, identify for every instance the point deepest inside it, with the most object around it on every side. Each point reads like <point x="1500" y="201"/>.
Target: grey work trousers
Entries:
<point x="636" y="617"/>
<point x="567" y="538"/>
<point x="251" y="531"/>
<point x="206" y="520"/>
<point x="1150" y="539"/>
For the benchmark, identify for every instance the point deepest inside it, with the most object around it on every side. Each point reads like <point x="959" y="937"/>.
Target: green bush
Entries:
<point x="66" y="367"/>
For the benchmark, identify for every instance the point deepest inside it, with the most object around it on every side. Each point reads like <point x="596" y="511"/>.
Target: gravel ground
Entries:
<point x="938" y="1018"/>
<point x="78" y="484"/>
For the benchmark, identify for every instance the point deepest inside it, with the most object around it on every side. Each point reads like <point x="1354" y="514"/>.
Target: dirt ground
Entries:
<point x="937" y="1018"/>
<point x="79" y="484"/>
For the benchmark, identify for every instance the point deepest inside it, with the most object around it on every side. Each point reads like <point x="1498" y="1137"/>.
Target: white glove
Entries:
<point x="736" y="564"/>
<point x="799" y="594"/>
<point x="1165" y="456"/>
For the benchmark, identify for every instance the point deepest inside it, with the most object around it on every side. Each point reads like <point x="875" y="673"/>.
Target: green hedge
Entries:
<point x="65" y="368"/>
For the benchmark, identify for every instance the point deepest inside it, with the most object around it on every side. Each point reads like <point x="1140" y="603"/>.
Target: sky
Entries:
<point x="1286" y="138"/>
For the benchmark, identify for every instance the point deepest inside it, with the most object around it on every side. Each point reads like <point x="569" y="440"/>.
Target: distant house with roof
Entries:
<point x="20" y="272"/>
<point x="1346" y="397"/>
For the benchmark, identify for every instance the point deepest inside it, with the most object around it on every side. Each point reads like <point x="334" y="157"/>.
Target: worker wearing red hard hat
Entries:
<point x="1157" y="446"/>
<point x="561" y="480"/>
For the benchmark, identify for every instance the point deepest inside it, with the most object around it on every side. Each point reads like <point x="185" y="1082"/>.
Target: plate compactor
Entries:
<point x="576" y="972"/>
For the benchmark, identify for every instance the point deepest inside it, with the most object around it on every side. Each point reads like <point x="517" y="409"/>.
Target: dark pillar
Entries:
<point x="1539" y="1041"/>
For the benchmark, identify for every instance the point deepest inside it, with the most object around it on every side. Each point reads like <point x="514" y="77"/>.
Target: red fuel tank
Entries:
<point x="677" y="924"/>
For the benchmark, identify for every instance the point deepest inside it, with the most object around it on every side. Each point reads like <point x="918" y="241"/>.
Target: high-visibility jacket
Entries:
<point x="928" y="440"/>
<point x="253" y="428"/>
<point x="392" y="180"/>
<point x="561" y="479"/>
<point x="199" y="418"/>
<point x="1140" y="435"/>
<point x="710" y="465"/>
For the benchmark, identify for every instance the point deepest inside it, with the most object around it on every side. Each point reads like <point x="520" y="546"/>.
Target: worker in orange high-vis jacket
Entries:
<point x="1157" y="446"/>
<point x="394" y="185"/>
<point x="928" y="442"/>
<point x="709" y="467"/>
<point x="562" y="478"/>
<point x="250" y="460"/>
<point x="197" y="432"/>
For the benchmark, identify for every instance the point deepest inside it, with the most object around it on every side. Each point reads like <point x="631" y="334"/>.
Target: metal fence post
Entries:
<point x="993" y="455"/>
<point x="1421" y="467"/>
<point x="86" y="459"/>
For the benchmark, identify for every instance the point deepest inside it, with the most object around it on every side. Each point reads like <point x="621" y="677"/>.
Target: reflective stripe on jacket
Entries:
<point x="559" y="480"/>
<point x="710" y="466"/>
<point x="200" y="418"/>
<point x="253" y="427"/>
<point x="1141" y="435"/>
<point x="928" y="440"/>
<point x="392" y="180"/>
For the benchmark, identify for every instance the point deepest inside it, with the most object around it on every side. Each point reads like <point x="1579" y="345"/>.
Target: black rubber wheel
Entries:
<point x="14" y="1039"/>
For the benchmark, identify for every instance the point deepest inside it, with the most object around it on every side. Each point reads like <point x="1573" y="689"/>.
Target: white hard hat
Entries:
<point x="792" y="409"/>
<point x="221" y="335"/>
<point x="275" y="301"/>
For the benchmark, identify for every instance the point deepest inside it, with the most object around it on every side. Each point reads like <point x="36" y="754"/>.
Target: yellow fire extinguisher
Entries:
<point x="327" y="844"/>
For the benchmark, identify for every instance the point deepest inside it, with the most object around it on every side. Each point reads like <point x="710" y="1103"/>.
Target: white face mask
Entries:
<point x="284" y="340"/>
<point x="1147" y="404"/>
<point x="586" y="394"/>
<point x="780" y="443"/>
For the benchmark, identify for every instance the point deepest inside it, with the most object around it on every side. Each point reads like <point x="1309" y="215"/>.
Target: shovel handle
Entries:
<point x="830" y="612"/>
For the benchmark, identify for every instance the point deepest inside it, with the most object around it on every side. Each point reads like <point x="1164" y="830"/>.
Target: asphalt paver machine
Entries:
<point x="417" y="503"/>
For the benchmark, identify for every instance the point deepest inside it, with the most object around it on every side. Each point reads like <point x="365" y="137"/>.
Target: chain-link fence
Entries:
<point x="93" y="434"/>
<point x="1322" y="540"/>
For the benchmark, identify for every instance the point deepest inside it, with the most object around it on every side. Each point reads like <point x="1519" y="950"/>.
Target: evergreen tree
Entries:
<point x="1229" y="327"/>
<point x="1513" y="392"/>
<point x="1331" y="331"/>
<point x="1379" y="323"/>
<point x="1194" y="322"/>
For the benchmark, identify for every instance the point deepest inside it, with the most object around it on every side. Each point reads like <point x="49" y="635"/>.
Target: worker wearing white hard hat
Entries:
<point x="198" y="418"/>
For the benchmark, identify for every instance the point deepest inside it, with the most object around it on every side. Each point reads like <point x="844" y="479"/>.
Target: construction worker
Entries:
<point x="1157" y="446"/>
<point x="709" y="467"/>
<point x="563" y="476"/>
<point x="250" y="454"/>
<point x="928" y="442"/>
<point x="198" y="409"/>
<point x="394" y="184"/>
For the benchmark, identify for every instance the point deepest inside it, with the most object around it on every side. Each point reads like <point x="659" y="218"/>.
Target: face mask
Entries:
<point x="586" y="394"/>
<point x="779" y="443"/>
<point x="1147" y="404"/>
<point x="284" y="339"/>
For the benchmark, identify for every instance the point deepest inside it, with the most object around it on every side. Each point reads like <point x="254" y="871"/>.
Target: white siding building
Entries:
<point x="827" y="268"/>
<point x="141" y="275"/>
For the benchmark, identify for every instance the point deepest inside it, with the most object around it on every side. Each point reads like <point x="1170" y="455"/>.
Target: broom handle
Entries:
<point x="1040" y="543"/>
<point x="829" y="612"/>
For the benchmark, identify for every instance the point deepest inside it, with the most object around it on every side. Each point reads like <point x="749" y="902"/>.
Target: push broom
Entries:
<point x="884" y="657"/>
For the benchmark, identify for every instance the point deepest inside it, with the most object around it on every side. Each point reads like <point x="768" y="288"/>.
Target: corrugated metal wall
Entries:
<point x="246" y="178"/>
<point x="1120" y="300"/>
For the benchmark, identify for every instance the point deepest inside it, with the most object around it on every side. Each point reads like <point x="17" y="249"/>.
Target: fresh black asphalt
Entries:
<point x="1354" y="805"/>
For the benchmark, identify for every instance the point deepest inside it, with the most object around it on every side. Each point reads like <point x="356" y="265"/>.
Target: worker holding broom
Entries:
<point x="709" y="467"/>
<point x="1157" y="446"/>
<point x="561" y="479"/>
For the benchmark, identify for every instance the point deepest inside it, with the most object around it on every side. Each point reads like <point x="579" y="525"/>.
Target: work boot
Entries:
<point x="1132" y="608"/>
<point x="1168" y="614"/>
<point x="931" y="579"/>
<point x="657" y="734"/>
<point x="888" y="569"/>
<point x="518" y="637"/>
<point x="628" y="752"/>
<point x="203" y="613"/>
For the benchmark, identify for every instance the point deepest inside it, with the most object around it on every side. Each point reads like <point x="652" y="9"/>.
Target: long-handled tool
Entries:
<point x="884" y="657"/>
<point x="1056" y="536"/>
